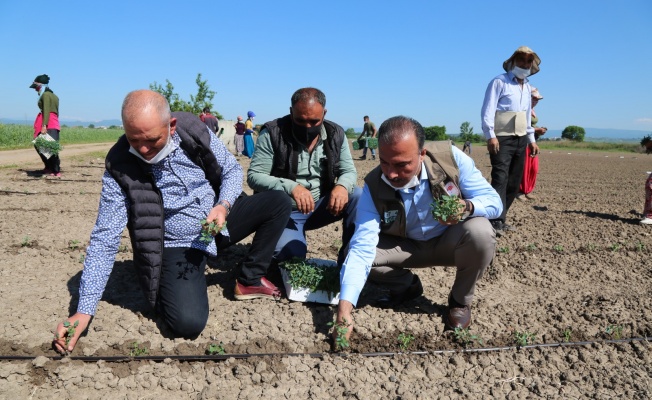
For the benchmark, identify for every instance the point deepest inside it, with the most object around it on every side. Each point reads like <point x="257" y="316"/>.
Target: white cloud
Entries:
<point x="643" y="120"/>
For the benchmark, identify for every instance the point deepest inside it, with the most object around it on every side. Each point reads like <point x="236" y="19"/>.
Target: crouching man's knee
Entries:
<point x="187" y="325"/>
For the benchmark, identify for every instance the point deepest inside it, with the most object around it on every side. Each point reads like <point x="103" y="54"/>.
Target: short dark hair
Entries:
<point x="365" y="117"/>
<point x="206" y="109"/>
<point x="395" y="128"/>
<point x="308" y="94"/>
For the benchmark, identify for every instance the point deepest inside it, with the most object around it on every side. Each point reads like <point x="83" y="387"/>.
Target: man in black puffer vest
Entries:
<point x="165" y="175"/>
<point x="308" y="158"/>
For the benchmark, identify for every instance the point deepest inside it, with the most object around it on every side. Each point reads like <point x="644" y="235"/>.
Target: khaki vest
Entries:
<point x="510" y="123"/>
<point x="440" y="167"/>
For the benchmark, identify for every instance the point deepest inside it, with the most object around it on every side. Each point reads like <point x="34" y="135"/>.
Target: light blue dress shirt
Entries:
<point x="504" y="93"/>
<point x="420" y="223"/>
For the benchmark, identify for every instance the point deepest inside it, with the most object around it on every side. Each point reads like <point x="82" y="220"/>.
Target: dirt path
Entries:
<point x="9" y="157"/>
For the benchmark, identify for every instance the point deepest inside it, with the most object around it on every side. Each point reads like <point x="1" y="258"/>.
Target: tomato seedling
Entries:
<point x="446" y="207"/>
<point x="209" y="230"/>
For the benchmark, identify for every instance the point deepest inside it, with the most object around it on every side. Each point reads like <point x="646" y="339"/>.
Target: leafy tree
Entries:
<point x="114" y="127"/>
<point x="350" y="133"/>
<point x="575" y="133"/>
<point x="466" y="131"/>
<point x="435" y="132"/>
<point x="203" y="98"/>
<point x="91" y="126"/>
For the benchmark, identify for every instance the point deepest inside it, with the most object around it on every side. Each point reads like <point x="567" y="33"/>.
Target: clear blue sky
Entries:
<point x="431" y="60"/>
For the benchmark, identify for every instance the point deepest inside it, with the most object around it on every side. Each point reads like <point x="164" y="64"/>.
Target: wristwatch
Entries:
<point x="468" y="210"/>
<point x="225" y="205"/>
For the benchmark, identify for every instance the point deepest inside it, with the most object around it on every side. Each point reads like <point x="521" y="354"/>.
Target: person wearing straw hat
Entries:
<point x="531" y="167"/>
<point x="506" y="124"/>
<point x="47" y="122"/>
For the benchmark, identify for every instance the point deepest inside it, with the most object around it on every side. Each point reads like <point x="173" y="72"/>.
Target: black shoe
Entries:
<point x="373" y="157"/>
<point x="498" y="227"/>
<point x="394" y="300"/>
<point x="362" y="158"/>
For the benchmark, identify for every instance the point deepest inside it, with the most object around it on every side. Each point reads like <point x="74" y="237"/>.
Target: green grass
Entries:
<point x="20" y="136"/>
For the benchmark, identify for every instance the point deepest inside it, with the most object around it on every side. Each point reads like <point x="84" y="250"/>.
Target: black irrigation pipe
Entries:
<point x="222" y="357"/>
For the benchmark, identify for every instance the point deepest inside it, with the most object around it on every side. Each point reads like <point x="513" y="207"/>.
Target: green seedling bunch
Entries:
<point x="614" y="247"/>
<point x="532" y="247"/>
<point x="51" y="146"/>
<point x="640" y="246"/>
<point x="446" y="207"/>
<point x="590" y="247"/>
<point x="404" y="341"/>
<point x="341" y="328"/>
<point x="503" y="250"/>
<point x="524" y="338"/>
<point x="123" y="248"/>
<point x="74" y="244"/>
<point x="615" y="331"/>
<point x="209" y="230"/>
<point x="138" y="350"/>
<point x="464" y="337"/>
<point x="215" y="349"/>
<point x="308" y="275"/>
<point x="558" y="248"/>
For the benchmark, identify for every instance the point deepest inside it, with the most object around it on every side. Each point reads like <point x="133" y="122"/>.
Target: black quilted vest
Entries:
<point x="287" y="149"/>
<point x="145" y="212"/>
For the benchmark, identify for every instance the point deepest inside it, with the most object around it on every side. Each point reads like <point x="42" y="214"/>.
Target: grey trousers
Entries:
<point x="469" y="246"/>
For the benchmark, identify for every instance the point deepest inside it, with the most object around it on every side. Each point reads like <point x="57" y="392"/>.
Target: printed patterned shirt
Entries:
<point x="187" y="198"/>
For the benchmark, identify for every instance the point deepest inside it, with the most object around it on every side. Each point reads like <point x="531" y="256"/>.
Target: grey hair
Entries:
<point x="308" y="94"/>
<point x="138" y="101"/>
<point x="396" y="128"/>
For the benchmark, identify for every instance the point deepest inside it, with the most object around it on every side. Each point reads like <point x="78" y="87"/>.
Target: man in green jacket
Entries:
<point x="307" y="157"/>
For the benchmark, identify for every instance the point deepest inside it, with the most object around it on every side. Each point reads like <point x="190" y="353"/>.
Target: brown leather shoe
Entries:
<point x="393" y="300"/>
<point x="459" y="315"/>
<point x="266" y="290"/>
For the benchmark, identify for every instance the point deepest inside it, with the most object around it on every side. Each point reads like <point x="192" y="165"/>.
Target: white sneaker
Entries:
<point x="646" y="221"/>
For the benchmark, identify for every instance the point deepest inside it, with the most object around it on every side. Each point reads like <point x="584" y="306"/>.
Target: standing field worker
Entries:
<point x="531" y="167"/>
<point x="47" y="122"/>
<point x="396" y="230"/>
<point x="210" y="120"/>
<point x="647" y="207"/>
<point x="306" y="157"/>
<point x="249" y="145"/>
<point x="163" y="176"/>
<point x="506" y="124"/>
<point x="467" y="146"/>
<point x="239" y="136"/>
<point x="368" y="130"/>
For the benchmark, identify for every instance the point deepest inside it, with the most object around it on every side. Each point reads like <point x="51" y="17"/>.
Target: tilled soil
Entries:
<point x="576" y="269"/>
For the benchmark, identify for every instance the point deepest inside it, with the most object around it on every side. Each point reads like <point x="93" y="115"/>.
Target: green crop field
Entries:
<point x="21" y="136"/>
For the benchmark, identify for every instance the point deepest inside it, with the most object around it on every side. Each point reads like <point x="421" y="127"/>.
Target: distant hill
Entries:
<point x="604" y="135"/>
<point x="104" y="122"/>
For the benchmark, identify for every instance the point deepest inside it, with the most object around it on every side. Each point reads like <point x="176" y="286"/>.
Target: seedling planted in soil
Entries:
<point x="524" y="338"/>
<point x="503" y="250"/>
<point x="209" y="230"/>
<point x="568" y="332"/>
<point x="558" y="248"/>
<point x="341" y="328"/>
<point x="465" y="338"/>
<point x="138" y="350"/>
<point x="615" y="331"/>
<point x="215" y="349"/>
<point x="74" y="244"/>
<point x="26" y="242"/>
<point x="446" y="207"/>
<point x="405" y="341"/>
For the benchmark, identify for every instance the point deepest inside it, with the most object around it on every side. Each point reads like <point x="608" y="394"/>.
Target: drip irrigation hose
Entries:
<point x="222" y="357"/>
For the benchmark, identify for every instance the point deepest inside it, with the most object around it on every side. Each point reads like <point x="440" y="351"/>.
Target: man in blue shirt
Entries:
<point x="163" y="176"/>
<point x="506" y="124"/>
<point x="396" y="230"/>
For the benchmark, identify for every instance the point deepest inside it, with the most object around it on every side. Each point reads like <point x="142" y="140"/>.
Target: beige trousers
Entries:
<point x="469" y="246"/>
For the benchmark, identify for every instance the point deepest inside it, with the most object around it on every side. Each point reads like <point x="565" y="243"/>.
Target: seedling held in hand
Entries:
<point x="446" y="208"/>
<point x="209" y="230"/>
<point x="341" y="328"/>
<point x="70" y="331"/>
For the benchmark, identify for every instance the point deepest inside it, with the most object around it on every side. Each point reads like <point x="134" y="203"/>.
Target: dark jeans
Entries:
<point x="183" y="297"/>
<point x="53" y="163"/>
<point x="507" y="169"/>
<point x="293" y="241"/>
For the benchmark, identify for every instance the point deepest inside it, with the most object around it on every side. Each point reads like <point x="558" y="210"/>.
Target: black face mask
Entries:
<point x="303" y="133"/>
